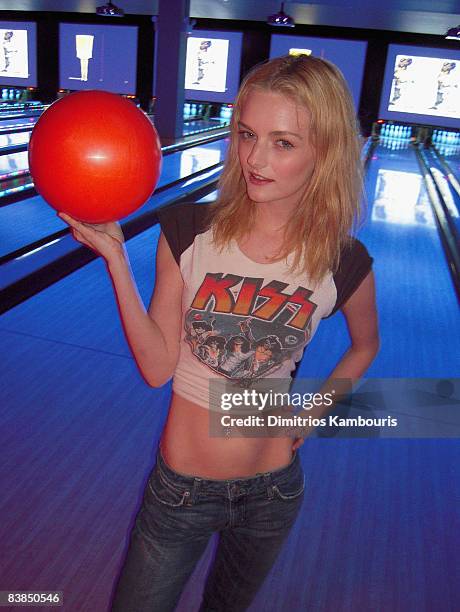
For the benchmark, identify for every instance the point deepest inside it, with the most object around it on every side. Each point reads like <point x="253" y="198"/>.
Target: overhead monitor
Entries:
<point x="213" y="60"/>
<point x="98" y="57"/>
<point x="348" y="55"/>
<point x="18" y="53"/>
<point x="422" y="85"/>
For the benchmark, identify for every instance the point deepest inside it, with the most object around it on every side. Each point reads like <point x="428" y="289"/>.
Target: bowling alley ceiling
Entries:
<point x="420" y="16"/>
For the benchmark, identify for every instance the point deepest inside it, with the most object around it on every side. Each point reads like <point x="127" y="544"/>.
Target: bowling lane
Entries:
<point x="203" y="125"/>
<point x="13" y="164"/>
<point x="447" y="185"/>
<point x="29" y="220"/>
<point x="417" y="305"/>
<point x="14" y="139"/>
<point x="18" y="123"/>
<point x="82" y="425"/>
<point x="454" y="164"/>
<point x="451" y="156"/>
<point x="87" y="290"/>
<point x="76" y="405"/>
<point x="14" y="118"/>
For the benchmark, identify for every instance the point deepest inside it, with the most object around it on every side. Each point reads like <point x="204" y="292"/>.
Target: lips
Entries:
<point x="257" y="179"/>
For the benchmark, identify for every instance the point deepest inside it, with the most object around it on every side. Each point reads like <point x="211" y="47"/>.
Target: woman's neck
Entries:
<point x="271" y="218"/>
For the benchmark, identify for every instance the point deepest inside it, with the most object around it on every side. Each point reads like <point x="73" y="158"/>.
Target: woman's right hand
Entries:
<point x="105" y="239"/>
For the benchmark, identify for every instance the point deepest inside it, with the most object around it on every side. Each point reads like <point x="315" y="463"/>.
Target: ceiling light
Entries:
<point x="109" y="10"/>
<point x="281" y="19"/>
<point x="453" y="33"/>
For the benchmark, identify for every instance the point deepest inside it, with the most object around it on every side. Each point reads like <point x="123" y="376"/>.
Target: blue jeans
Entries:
<point x="179" y="514"/>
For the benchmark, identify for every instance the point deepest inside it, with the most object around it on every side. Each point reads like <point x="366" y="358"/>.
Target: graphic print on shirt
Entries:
<point x="243" y="329"/>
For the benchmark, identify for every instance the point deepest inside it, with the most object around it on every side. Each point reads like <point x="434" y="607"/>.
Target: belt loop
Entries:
<point x="194" y="492"/>
<point x="268" y="484"/>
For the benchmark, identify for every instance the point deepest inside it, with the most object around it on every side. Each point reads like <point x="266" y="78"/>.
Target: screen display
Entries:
<point x="18" y="53"/>
<point x="98" y="57"/>
<point x="212" y="69"/>
<point x="422" y="85"/>
<point x="348" y="55"/>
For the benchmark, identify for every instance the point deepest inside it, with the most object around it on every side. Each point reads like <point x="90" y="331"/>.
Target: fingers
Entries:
<point x="78" y="236"/>
<point x="105" y="239"/>
<point x="70" y="220"/>
<point x="77" y="228"/>
<point x="106" y="228"/>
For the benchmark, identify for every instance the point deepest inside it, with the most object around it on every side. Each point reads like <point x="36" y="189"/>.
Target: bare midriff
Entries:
<point x="188" y="447"/>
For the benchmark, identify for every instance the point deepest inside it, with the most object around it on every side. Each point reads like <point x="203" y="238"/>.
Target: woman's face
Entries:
<point x="274" y="148"/>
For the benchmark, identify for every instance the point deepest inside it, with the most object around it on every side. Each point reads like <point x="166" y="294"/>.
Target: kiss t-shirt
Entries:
<point x="244" y="321"/>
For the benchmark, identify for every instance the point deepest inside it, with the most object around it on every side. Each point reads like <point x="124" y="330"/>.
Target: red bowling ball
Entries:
<point x="95" y="156"/>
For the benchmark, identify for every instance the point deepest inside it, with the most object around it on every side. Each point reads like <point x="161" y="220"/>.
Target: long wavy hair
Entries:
<point x="330" y="206"/>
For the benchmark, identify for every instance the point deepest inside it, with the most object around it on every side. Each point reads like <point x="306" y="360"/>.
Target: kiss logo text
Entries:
<point x="264" y="303"/>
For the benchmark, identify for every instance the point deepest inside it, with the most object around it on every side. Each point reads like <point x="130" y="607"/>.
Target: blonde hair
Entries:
<point x="330" y="206"/>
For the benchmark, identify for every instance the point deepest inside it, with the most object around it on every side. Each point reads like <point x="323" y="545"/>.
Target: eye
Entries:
<point x="246" y="134"/>
<point x="285" y="144"/>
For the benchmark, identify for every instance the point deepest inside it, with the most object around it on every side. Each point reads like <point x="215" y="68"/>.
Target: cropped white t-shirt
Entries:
<point x="243" y="320"/>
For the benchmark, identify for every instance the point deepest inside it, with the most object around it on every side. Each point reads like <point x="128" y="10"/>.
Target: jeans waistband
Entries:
<point x="260" y="479"/>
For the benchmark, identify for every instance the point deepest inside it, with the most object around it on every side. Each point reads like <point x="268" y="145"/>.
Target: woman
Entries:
<point x="270" y="259"/>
